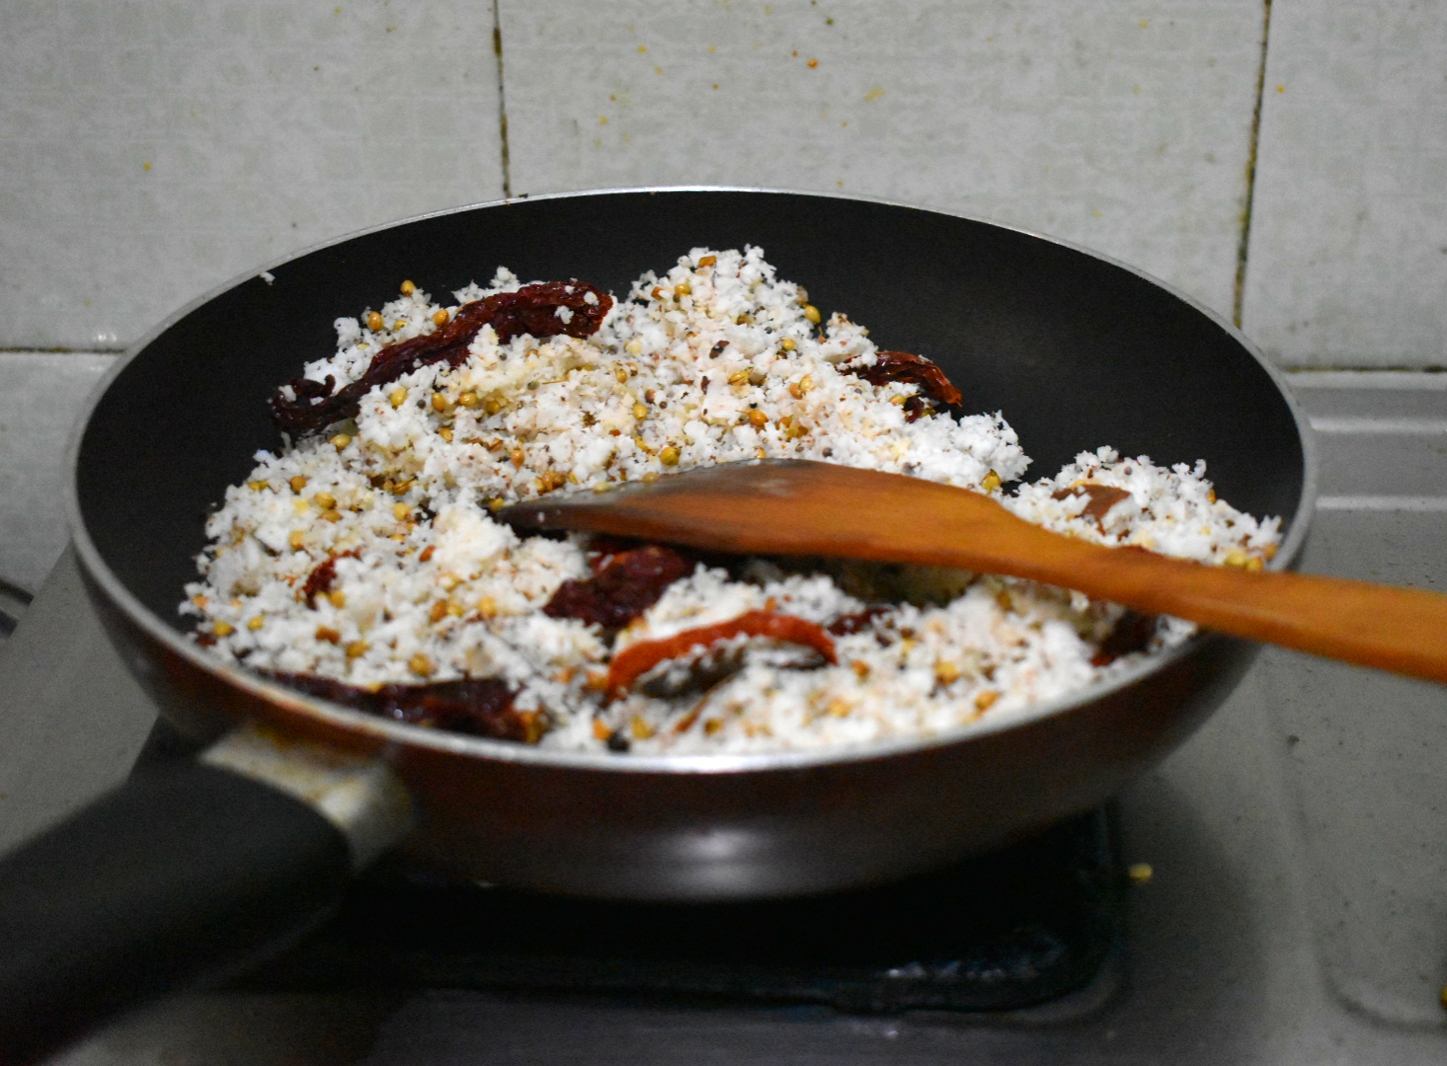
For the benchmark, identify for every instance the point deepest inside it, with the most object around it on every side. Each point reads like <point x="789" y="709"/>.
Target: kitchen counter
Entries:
<point x="1298" y="907"/>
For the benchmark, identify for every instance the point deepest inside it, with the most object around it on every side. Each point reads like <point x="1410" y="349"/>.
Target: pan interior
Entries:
<point x="1076" y="351"/>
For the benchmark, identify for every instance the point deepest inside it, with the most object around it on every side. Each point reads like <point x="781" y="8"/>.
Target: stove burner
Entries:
<point x="1016" y="928"/>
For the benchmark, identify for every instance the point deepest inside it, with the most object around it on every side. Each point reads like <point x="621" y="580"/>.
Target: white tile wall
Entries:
<point x="1124" y="126"/>
<point x="152" y="149"/>
<point x="1348" y="252"/>
<point x="41" y="395"/>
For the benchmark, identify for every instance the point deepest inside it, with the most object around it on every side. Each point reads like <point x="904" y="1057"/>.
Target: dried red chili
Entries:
<point x="1101" y="499"/>
<point x="319" y="581"/>
<point x="545" y="309"/>
<point x="1133" y="632"/>
<point x="604" y="549"/>
<point x="625" y="583"/>
<point x="477" y="706"/>
<point x="637" y="659"/>
<point x="848" y="624"/>
<point x="935" y="389"/>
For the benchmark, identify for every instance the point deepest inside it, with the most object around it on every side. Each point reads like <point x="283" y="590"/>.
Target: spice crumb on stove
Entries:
<point x="1140" y="872"/>
<point x="715" y="359"/>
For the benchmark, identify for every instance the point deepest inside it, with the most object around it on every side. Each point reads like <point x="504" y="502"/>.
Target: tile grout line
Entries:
<point x="1396" y="378"/>
<point x="1413" y="504"/>
<point x="501" y="98"/>
<point x="1239" y="291"/>
<point x="1379" y="426"/>
<point x="63" y="351"/>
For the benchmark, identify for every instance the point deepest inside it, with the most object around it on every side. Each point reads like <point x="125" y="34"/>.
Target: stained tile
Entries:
<point x="1362" y="755"/>
<point x="1360" y="751"/>
<point x="1348" y="252"/>
<point x="1123" y="127"/>
<point x="151" y="150"/>
<point x="41" y="394"/>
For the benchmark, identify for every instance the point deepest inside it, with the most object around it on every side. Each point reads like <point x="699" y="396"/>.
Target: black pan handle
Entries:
<point x="185" y="873"/>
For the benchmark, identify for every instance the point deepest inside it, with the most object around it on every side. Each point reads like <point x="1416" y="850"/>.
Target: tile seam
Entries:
<point x="1360" y="425"/>
<point x="20" y="350"/>
<point x="1238" y="297"/>
<point x="1415" y="504"/>
<point x="1397" y="380"/>
<point x="501" y="99"/>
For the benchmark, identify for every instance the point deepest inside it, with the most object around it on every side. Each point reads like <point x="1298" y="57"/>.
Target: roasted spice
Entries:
<point x="531" y="309"/>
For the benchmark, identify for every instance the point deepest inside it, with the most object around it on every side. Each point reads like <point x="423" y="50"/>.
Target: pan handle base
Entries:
<point x="183" y="874"/>
<point x="361" y="796"/>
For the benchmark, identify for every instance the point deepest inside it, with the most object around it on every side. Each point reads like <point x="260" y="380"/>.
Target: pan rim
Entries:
<point x="390" y="733"/>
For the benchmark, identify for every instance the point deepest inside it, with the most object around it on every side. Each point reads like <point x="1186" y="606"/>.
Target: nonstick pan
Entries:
<point x="194" y="871"/>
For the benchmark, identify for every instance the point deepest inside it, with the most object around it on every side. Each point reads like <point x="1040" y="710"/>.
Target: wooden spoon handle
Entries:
<point x="1399" y="629"/>
<point x="790" y="507"/>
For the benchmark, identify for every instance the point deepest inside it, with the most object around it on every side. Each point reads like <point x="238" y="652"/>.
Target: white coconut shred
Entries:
<point x="365" y="555"/>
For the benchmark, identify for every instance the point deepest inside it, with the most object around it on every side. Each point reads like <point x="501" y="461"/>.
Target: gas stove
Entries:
<point x="1288" y="903"/>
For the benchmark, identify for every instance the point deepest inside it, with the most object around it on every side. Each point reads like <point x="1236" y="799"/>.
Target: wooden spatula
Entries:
<point x="795" y="507"/>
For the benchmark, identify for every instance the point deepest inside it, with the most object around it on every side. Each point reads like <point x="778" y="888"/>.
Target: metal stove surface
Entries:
<point x="1297" y="912"/>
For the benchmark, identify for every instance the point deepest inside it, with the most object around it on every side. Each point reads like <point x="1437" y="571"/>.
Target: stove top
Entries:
<point x="1036" y="922"/>
<point x="1027" y="926"/>
<point x="1297" y="911"/>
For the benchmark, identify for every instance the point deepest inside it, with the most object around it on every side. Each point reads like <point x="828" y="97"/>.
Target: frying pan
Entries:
<point x="193" y="872"/>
